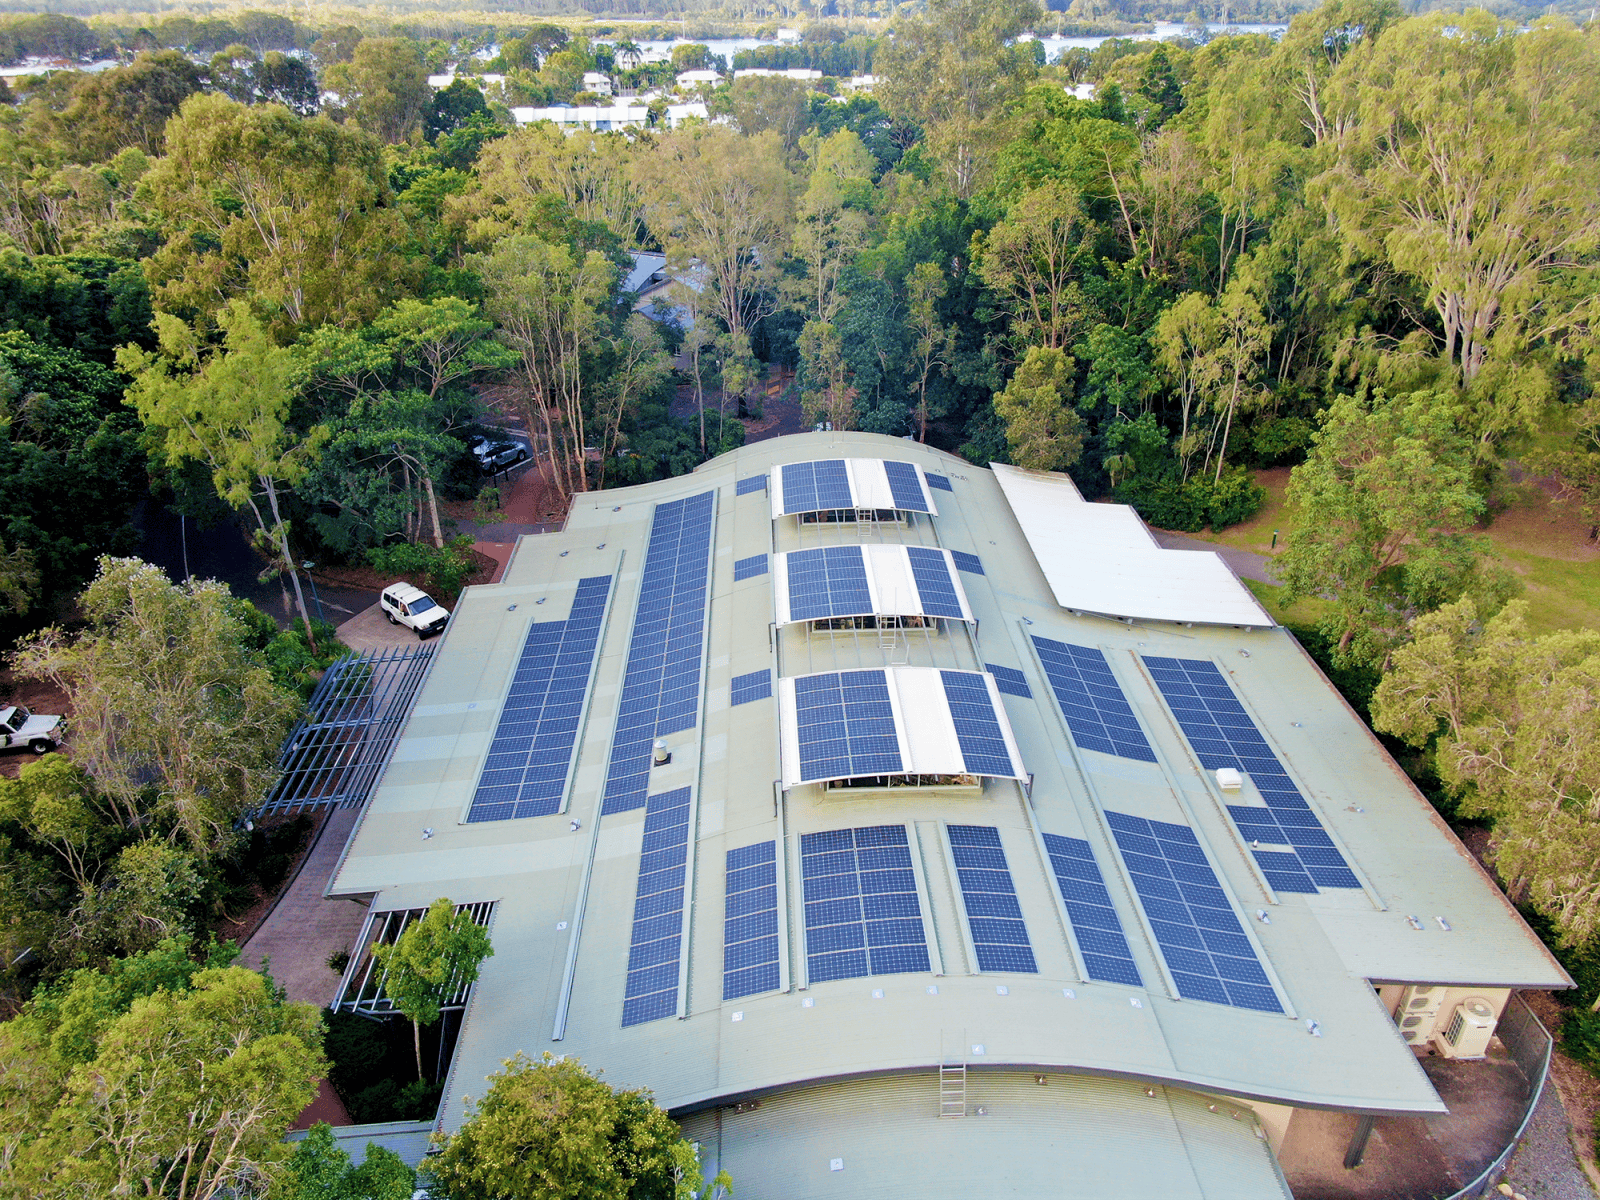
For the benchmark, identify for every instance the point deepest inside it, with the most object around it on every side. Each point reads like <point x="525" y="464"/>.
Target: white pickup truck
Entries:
<point x="413" y="608"/>
<point x="36" y="731"/>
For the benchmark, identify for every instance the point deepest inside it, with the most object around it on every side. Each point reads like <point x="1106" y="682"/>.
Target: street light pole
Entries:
<point x="314" y="596"/>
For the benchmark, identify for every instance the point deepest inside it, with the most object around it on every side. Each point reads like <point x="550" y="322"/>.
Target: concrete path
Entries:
<point x="1246" y="564"/>
<point x="370" y="630"/>
<point x="304" y="929"/>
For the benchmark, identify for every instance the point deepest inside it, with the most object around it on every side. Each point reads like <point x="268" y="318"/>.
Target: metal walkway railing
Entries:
<point x="334" y="756"/>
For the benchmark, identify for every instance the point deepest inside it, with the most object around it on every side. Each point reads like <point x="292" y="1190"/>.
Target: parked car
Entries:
<point x="413" y="608"/>
<point x="36" y="731"/>
<point x="497" y="456"/>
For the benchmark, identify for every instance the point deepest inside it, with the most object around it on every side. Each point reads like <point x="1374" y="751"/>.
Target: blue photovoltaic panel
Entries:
<point x="816" y="486"/>
<point x="942" y="482"/>
<point x="656" y="946"/>
<point x="1223" y="735"/>
<point x="661" y="690"/>
<point x="1010" y="681"/>
<point x="525" y="774"/>
<point x="757" y="685"/>
<point x="1092" y="701"/>
<point x="1200" y="938"/>
<point x="862" y="913"/>
<point x="1095" y="923"/>
<point x="746" y="568"/>
<point x="846" y="725"/>
<point x="828" y="582"/>
<point x="905" y="487"/>
<point x="970" y="563"/>
<point x="998" y="933"/>
<point x="750" y="483"/>
<point x="935" y="584"/>
<point x="750" y="922"/>
<point x="983" y="746"/>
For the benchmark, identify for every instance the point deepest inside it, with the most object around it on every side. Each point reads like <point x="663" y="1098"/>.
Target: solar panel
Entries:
<point x="862" y="912"/>
<point x="1095" y="923"/>
<point x="816" y="486"/>
<point x="970" y="563"/>
<point x="653" y="952"/>
<point x="828" y="582"/>
<point x="983" y="746"/>
<point x="525" y="773"/>
<point x="1223" y="735"/>
<point x="750" y="483"/>
<point x="1200" y="938"/>
<point x="1010" y="681"/>
<point x="750" y="922"/>
<point x="746" y="568"/>
<point x="905" y="487"/>
<point x="999" y="935"/>
<point x="935" y="584"/>
<point x="661" y="688"/>
<point x="757" y="685"/>
<point x="1091" y="700"/>
<point x="942" y="482"/>
<point x="846" y="725"/>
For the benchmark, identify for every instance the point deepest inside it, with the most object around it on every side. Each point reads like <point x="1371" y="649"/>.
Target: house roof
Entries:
<point x="629" y="917"/>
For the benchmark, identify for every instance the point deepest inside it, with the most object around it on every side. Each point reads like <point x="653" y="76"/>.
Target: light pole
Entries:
<point x="308" y="565"/>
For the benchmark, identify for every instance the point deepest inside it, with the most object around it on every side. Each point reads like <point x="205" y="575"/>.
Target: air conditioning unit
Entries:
<point x="1419" y="1010"/>
<point x="1470" y="1028"/>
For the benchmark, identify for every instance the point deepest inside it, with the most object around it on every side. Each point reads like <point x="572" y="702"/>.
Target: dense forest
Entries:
<point x="265" y="271"/>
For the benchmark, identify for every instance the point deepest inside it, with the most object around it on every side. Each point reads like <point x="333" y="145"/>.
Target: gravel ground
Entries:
<point x="1544" y="1167"/>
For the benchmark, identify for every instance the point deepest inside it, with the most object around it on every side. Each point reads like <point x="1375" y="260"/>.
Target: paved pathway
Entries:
<point x="1544" y="1166"/>
<point x="304" y="929"/>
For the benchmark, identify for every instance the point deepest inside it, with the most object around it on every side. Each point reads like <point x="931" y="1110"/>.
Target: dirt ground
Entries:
<point x="780" y="407"/>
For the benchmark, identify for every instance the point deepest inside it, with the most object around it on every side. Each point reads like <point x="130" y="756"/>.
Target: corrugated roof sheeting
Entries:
<point x="1100" y="558"/>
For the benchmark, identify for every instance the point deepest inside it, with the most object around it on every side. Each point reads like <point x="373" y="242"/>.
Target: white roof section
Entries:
<point x="866" y="478"/>
<point x="1100" y="558"/>
<point x="924" y="726"/>
<point x="891" y="587"/>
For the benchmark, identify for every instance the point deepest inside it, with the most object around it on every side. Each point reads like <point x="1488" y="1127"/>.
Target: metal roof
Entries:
<point x="1100" y="558"/>
<point x="577" y="891"/>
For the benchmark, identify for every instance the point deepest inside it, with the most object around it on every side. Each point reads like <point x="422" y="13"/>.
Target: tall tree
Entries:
<point x="1034" y="261"/>
<point x="294" y="214"/>
<point x="230" y="412"/>
<point x="1366" y="535"/>
<point x="172" y="716"/>
<point x="1471" y="171"/>
<point x="384" y="88"/>
<point x="1511" y="718"/>
<point x="547" y="300"/>
<point x="430" y="959"/>
<point x="1045" y="431"/>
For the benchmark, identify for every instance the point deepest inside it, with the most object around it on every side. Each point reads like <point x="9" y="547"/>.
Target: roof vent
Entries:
<point x="1229" y="779"/>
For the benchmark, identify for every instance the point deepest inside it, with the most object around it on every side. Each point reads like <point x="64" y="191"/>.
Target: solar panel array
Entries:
<point x="983" y="746"/>
<point x="747" y="568"/>
<point x="942" y="482"/>
<point x="846" y="725"/>
<point x="999" y="935"/>
<point x="1095" y="924"/>
<point x="970" y="563"/>
<point x="750" y="483"/>
<point x="661" y="690"/>
<point x="750" y="922"/>
<point x="862" y="912"/>
<point x="1092" y="701"/>
<point x="935" y="585"/>
<point x="816" y="486"/>
<point x="525" y="774"/>
<point x="654" y="951"/>
<point x="905" y="487"/>
<point x="828" y="582"/>
<point x="1223" y="735"/>
<point x="757" y="685"/>
<point x="1010" y="680"/>
<point x="1200" y="938"/>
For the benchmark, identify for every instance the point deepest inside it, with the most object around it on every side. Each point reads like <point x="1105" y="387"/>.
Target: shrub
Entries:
<point x="440" y="571"/>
